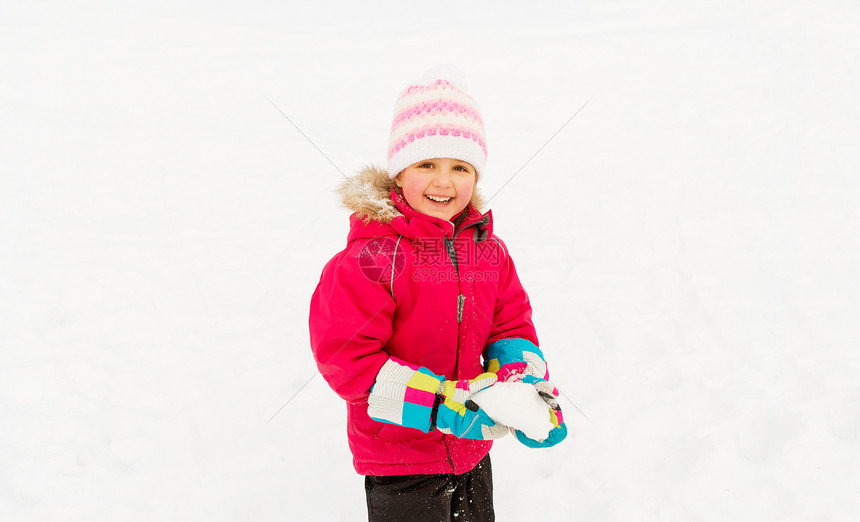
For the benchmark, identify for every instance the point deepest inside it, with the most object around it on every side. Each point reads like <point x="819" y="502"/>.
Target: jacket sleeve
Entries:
<point x="512" y="315"/>
<point x="350" y="322"/>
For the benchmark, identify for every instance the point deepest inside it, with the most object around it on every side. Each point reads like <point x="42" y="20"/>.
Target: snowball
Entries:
<point x="517" y="405"/>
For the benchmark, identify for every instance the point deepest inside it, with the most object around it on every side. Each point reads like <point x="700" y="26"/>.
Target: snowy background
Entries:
<point x="689" y="241"/>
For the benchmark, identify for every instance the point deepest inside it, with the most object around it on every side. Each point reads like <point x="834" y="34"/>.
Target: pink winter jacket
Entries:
<point x="395" y="291"/>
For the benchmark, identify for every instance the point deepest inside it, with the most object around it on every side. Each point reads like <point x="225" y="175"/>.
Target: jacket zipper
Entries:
<point x="450" y="460"/>
<point x="461" y="299"/>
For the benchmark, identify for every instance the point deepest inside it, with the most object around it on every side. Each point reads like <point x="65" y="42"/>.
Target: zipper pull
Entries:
<point x="461" y="300"/>
<point x="452" y="253"/>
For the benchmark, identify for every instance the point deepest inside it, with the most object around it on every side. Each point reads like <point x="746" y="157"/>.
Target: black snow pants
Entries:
<point x="432" y="498"/>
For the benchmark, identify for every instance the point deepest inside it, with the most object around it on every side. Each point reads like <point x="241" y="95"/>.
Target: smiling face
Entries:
<point x="438" y="187"/>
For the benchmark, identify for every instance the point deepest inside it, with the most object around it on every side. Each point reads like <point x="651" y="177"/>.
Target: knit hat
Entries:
<point x="436" y="118"/>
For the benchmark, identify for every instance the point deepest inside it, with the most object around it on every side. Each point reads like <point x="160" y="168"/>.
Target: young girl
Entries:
<point x="422" y="309"/>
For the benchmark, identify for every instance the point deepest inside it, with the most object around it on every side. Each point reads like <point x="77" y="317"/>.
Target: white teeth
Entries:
<point x="439" y="200"/>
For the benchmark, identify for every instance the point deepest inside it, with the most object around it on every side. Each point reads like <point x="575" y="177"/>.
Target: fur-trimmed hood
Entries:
<point x="368" y="194"/>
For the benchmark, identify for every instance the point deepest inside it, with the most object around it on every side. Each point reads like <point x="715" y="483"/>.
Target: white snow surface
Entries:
<point x="689" y="241"/>
<point x="516" y="405"/>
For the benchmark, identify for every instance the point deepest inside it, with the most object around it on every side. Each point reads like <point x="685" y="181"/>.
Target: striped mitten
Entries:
<point x="549" y="394"/>
<point x="520" y="360"/>
<point x="415" y="397"/>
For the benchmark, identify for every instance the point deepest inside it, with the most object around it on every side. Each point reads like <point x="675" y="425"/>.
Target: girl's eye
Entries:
<point x="425" y="166"/>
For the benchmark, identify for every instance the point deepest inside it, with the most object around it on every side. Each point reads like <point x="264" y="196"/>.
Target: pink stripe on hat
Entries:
<point x="437" y="130"/>
<point x="437" y="107"/>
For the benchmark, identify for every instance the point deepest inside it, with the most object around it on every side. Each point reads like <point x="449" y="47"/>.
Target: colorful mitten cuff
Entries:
<point x="510" y="359"/>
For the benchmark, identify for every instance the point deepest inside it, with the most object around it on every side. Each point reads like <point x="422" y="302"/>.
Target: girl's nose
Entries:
<point x="443" y="177"/>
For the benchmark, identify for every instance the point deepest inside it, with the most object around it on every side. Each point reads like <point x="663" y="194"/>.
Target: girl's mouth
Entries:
<point x="441" y="200"/>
